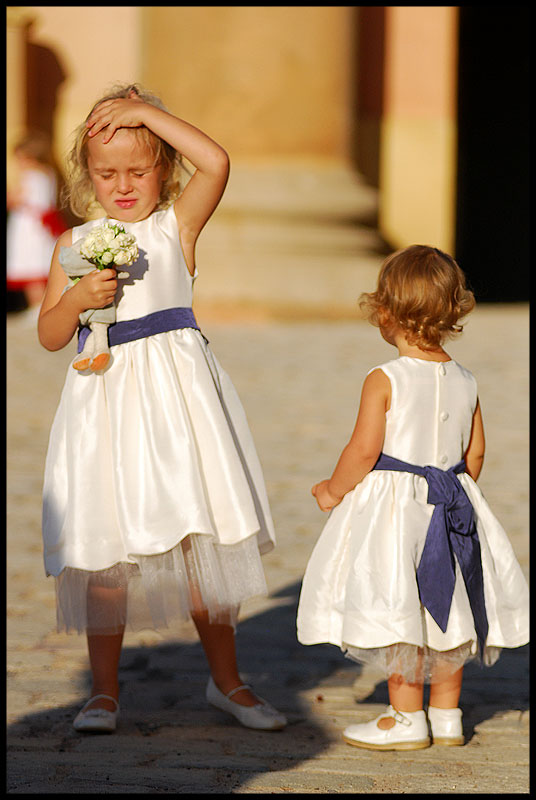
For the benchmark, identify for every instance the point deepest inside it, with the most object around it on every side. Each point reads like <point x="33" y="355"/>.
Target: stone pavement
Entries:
<point x="300" y="384"/>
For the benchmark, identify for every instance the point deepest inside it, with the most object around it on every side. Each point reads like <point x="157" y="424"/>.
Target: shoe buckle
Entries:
<point x="401" y="718"/>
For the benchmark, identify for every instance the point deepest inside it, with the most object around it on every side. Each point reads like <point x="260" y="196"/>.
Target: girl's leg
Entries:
<point x="403" y="696"/>
<point x="390" y="732"/>
<point x="445" y="693"/>
<point x="104" y="605"/>
<point x="443" y="713"/>
<point x="219" y="645"/>
<point x="104" y="654"/>
<point x="218" y="640"/>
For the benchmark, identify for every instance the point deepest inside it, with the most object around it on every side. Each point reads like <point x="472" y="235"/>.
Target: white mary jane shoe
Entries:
<point x="410" y="732"/>
<point x="96" y="720"/>
<point x="446" y="726"/>
<point x="261" y="716"/>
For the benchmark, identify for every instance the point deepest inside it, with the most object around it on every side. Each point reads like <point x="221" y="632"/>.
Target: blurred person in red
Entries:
<point x="33" y="222"/>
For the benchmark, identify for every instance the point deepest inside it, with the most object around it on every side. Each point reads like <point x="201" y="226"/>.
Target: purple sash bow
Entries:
<point x="452" y="532"/>
<point x="169" y="319"/>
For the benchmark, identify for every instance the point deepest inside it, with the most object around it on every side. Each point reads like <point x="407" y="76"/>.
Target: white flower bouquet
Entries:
<point x="106" y="245"/>
<point x="109" y="245"/>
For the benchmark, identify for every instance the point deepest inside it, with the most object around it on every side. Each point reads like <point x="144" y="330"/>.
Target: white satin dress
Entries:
<point x="152" y="482"/>
<point x="360" y="590"/>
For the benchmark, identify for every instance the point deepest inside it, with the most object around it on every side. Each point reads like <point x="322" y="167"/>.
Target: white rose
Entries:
<point x="121" y="258"/>
<point x="114" y="246"/>
<point x="110" y="243"/>
<point x="88" y="252"/>
<point x="98" y="244"/>
<point x="107" y="235"/>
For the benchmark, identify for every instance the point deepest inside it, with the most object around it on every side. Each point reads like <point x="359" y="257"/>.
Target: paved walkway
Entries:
<point x="300" y="385"/>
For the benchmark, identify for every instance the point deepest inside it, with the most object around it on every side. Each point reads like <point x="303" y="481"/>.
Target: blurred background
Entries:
<point x="352" y="131"/>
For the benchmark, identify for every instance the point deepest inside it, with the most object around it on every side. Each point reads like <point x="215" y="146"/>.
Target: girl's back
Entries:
<point x="431" y="411"/>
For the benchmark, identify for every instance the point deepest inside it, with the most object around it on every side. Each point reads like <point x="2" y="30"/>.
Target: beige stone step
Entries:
<point x="291" y="237"/>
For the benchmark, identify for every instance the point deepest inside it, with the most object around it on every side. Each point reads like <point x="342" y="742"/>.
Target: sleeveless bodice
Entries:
<point x="159" y="278"/>
<point x="442" y="397"/>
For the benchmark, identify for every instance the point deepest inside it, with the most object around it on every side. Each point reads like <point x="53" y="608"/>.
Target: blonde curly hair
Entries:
<point x="78" y="192"/>
<point x="423" y="291"/>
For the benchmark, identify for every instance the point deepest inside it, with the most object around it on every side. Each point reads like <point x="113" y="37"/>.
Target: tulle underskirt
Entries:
<point x="197" y="575"/>
<point x="420" y="664"/>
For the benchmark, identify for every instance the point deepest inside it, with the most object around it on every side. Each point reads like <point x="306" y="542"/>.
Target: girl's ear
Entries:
<point x="165" y="172"/>
<point x="384" y="317"/>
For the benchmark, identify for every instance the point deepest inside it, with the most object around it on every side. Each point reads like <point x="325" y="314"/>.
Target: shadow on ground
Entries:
<point x="169" y="740"/>
<point x="168" y="730"/>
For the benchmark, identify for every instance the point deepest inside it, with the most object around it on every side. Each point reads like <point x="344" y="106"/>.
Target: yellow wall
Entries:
<point x="418" y="128"/>
<point x="267" y="82"/>
<point x="95" y="47"/>
<point x="272" y="84"/>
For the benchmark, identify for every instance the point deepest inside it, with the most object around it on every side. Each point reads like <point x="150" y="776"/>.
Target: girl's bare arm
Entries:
<point x="58" y="318"/>
<point x="365" y="445"/>
<point x="474" y="455"/>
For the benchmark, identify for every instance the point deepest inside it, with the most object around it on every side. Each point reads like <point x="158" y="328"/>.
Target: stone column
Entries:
<point x="419" y="126"/>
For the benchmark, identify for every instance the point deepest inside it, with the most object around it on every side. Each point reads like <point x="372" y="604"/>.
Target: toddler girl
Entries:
<point x="412" y="572"/>
<point x="154" y="501"/>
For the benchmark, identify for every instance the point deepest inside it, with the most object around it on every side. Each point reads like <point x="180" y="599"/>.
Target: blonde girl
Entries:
<point x="154" y="501"/>
<point x="412" y="572"/>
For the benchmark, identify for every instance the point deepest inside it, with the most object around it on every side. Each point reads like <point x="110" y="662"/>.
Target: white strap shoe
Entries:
<point x="97" y="720"/>
<point x="261" y="716"/>
<point x="410" y="732"/>
<point x="446" y="726"/>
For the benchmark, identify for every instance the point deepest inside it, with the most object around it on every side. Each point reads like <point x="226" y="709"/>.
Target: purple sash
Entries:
<point x="452" y="532"/>
<point x="169" y="319"/>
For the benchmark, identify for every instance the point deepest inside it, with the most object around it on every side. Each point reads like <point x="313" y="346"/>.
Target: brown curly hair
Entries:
<point x="78" y="191"/>
<point x="423" y="291"/>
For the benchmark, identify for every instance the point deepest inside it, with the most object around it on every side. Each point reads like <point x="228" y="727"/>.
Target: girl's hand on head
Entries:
<point x="123" y="112"/>
<point x="96" y="289"/>
<point x="326" y="501"/>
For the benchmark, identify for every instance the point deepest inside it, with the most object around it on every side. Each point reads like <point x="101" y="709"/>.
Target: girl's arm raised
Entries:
<point x="365" y="445"/>
<point x="206" y="186"/>
<point x="474" y="455"/>
<point x="58" y="317"/>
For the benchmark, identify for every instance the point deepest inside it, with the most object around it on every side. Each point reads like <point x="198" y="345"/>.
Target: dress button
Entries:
<point x="444" y="459"/>
<point x="444" y="416"/>
<point x="442" y="369"/>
